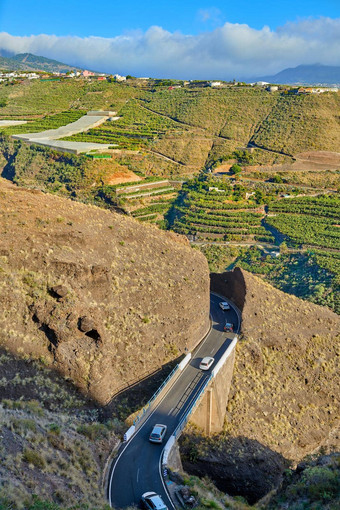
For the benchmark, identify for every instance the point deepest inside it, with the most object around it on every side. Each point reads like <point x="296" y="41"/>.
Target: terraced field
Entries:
<point x="36" y="98"/>
<point x="185" y="129"/>
<point x="135" y="129"/>
<point x="310" y="222"/>
<point x="221" y="214"/>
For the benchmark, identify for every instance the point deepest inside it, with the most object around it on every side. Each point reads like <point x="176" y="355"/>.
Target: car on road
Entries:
<point x="206" y="363"/>
<point x="158" y="432"/>
<point x="229" y="327"/>
<point x="151" y="501"/>
<point x="224" y="305"/>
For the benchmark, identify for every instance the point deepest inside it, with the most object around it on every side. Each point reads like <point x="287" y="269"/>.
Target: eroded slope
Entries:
<point x="284" y="398"/>
<point x="94" y="294"/>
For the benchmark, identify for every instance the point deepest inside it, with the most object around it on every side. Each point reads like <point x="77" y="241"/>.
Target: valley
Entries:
<point x="106" y="263"/>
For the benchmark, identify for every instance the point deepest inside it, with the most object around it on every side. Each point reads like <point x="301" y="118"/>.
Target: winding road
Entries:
<point x="138" y="466"/>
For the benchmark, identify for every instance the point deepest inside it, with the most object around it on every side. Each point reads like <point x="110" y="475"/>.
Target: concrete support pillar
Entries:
<point x="209" y="410"/>
<point x="210" y="414"/>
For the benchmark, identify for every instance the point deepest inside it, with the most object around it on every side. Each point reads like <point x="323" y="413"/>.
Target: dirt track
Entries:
<point x="306" y="161"/>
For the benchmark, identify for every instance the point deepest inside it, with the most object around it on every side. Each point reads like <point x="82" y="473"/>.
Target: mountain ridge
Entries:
<point x="316" y="74"/>
<point x="31" y="62"/>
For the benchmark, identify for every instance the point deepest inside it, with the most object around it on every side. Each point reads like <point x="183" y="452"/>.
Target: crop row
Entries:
<point x="328" y="211"/>
<point x="151" y="209"/>
<point x="307" y="230"/>
<point x="218" y="203"/>
<point x="49" y="122"/>
<point x="192" y="218"/>
<point x="148" y="217"/>
<point x="213" y="227"/>
<point x="232" y="215"/>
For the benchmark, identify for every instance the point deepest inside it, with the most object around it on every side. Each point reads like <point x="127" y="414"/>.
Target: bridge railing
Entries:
<point x="154" y="396"/>
<point x="150" y="404"/>
<point x="184" y="420"/>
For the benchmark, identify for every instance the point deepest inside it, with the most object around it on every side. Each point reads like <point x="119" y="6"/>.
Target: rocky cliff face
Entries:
<point x="100" y="297"/>
<point x="284" y="398"/>
<point x="284" y="392"/>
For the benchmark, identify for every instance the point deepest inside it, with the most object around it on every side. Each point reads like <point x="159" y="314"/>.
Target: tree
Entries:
<point x="235" y="169"/>
<point x="259" y="196"/>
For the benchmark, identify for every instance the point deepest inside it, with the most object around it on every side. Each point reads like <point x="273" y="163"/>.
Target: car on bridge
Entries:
<point x="224" y="305"/>
<point x="158" y="432"/>
<point x="229" y="327"/>
<point x="206" y="363"/>
<point x="151" y="501"/>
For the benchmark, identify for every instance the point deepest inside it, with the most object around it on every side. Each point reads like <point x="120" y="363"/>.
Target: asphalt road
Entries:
<point x="137" y="469"/>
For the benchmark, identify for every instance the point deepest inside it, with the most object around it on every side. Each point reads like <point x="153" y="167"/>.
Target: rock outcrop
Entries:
<point x="284" y="398"/>
<point x="98" y="296"/>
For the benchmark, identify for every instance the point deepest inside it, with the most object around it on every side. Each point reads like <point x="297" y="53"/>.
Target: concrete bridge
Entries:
<point x="188" y="394"/>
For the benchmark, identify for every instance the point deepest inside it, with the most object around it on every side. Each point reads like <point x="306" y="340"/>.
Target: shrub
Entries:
<point x="55" y="429"/>
<point x="94" y="431"/>
<point x="235" y="169"/>
<point x="32" y="457"/>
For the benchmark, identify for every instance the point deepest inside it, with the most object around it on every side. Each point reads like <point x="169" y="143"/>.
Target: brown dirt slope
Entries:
<point x="286" y="377"/>
<point x="96" y="295"/>
<point x="284" y="398"/>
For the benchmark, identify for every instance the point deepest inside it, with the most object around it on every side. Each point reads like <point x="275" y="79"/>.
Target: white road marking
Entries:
<point x="170" y="411"/>
<point x="184" y="392"/>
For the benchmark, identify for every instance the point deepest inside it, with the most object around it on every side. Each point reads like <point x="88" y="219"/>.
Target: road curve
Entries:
<point x="137" y="468"/>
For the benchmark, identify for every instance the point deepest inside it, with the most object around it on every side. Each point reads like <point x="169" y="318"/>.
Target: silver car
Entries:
<point x="151" y="501"/>
<point x="158" y="433"/>
<point x="206" y="363"/>
<point x="224" y="305"/>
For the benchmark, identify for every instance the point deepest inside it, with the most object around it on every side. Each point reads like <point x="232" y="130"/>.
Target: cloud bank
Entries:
<point x="227" y="52"/>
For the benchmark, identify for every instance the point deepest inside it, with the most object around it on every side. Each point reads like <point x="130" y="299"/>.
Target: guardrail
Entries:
<point x="223" y="358"/>
<point x="184" y="420"/>
<point x="154" y="396"/>
<point x="144" y="412"/>
<point x="192" y="407"/>
<point x="171" y="441"/>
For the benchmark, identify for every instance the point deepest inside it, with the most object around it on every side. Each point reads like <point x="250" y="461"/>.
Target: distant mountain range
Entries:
<point x="316" y="74"/>
<point x="30" y="62"/>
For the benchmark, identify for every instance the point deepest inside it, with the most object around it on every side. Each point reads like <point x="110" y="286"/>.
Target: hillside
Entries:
<point x="82" y="286"/>
<point x="30" y="62"/>
<point x="52" y="446"/>
<point x="284" y="400"/>
<point x="314" y="484"/>
<point x="180" y="131"/>
<point x="299" y="123"/>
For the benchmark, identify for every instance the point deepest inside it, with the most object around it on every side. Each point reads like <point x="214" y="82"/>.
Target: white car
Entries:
<point x="151" y="501"/>
<point x="157" y="434"/>
<point x="206" y="363"/>
<point x="224" y="305"/>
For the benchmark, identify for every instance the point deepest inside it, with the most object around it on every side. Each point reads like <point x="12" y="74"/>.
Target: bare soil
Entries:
<point x="306" y="161"/>
<point x="95" y="295"/>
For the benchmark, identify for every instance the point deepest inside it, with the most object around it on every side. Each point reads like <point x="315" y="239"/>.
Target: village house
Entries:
<point x="119" y="78"/>
<point x="87" y="74"/>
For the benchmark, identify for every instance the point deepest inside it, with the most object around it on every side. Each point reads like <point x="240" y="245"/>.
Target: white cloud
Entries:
<point x="209" y="14"/>
<point x="229" y="51"/>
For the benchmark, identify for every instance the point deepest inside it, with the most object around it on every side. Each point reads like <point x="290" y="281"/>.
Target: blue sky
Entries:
<point x="179" y="38"/>
<point x="112" y="17"/>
